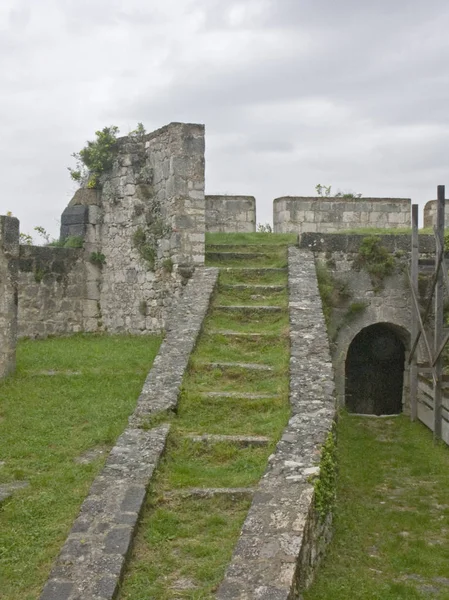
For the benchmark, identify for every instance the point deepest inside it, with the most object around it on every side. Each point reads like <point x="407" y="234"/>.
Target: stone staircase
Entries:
<point x="241" y="361"/>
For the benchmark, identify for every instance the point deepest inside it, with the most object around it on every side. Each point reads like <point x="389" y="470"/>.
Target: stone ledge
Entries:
<point x="283" y="539"/>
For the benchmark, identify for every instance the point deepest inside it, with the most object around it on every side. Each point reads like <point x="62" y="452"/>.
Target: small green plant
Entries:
<point x="332" y="290"/>
<point x="264" y="228"/>
<point x="39" y="274"/>
<point x="143" y="245"/>
<point x="347" y="195"/>
<point x="138" y="132"/>
<point x="446" y="242"/>
<point x="323" y="190"/>
<point x="43" y="233"/>
<point x="97" y="258"/>
<point x="356" y="308"/>
<point x="74" y="241"/>
<point x="167" y="265"/>
<point x="25" y="238"/>
<point x="326" y="289"/>
<point x="326" y="484"/>
<point x="95" y="158"/>
<point x="376" y="260"/>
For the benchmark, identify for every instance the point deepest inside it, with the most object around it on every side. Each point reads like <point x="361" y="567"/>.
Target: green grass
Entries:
<point x="391" y="537"/>
<point x="184" y="544"/>
<point x="246" y="239"/>
<point x="236" y="255"/>
<point x="243" y="322"/>
<point x="269" y="351"/>
<point x="183" y="547"/>
<point x="68" y="395"/>
<point x="194" y="464"/>
<point x="255" y="297"/>
<point x="247" y="277"/>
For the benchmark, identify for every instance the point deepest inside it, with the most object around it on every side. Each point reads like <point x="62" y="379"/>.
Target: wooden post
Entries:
<point x="414" y="325"/>
<point x="439" y="318"/>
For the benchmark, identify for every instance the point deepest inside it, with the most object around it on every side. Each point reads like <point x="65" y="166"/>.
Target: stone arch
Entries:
<point x="374" y="370"/>
<point x="398" y="323"/>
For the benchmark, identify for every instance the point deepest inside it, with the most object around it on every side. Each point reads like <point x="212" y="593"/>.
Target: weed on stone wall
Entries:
<point x="333" y="291"/>
<point x="95" y="158"/>
<point x="325" y="485"/>
<point x="97" y="258"/>
<point x="167" y="265"/>
<point x="146" y="239"/>
<point x="376" y="260"/>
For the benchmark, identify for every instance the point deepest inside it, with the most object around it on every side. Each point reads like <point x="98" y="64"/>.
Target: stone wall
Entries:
<point x="285" y="534"/>
<point x="9" y="252"/>
<point x="144" y="229"/>
<point x="327" y="215"/>
<point x="231" y="214"/>
<point x="358" y="303"/>
<point x="52" y="290"/>
<point x="430" y="213"/>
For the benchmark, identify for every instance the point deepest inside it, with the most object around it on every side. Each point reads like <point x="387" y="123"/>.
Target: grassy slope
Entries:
<point x="391" y="537"/>
<point x="68" y="395"/>
<point x="184" y="544"/>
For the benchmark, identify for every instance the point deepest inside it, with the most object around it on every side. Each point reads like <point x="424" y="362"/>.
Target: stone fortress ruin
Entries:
<point x="142" y="270"/>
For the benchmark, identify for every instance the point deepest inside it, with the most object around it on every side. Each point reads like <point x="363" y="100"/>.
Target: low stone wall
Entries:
<point x="284" y="535"/>
<point x="9" y="252"/>
<point x="52" y="290"/>
<point x="231" y="214"/>
<point x="326" y="215"/>
<point x="430" y="213"/>
<point x="92" y="559"/>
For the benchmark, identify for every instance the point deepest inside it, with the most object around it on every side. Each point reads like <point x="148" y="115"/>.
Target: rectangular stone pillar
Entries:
<point x="9" y="263"/>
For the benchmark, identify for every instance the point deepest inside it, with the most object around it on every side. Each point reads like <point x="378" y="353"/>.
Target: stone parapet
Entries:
<point x="9" y="254"/>
<point x="230" y="214"/>
<point x="327" y="215"/>
<point x="350" y="243"/>
<point x="284" y="536"/>
<point x="430" y="214"/>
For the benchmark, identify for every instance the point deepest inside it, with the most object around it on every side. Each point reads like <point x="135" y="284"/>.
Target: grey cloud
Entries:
<point x="347" y="93"/>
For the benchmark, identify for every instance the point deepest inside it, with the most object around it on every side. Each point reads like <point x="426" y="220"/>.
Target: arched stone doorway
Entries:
<point x="374" y="371"/>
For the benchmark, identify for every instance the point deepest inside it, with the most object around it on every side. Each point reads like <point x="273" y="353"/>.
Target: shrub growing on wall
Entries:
<point x="376" y="260"/>
<point x="97" y="155"/>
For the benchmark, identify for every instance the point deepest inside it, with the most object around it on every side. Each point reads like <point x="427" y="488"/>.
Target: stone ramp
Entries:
<point x="92" y="559"/>
<point x="283" y="537"/>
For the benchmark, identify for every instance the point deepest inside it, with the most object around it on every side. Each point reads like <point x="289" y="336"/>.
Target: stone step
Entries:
<point x="242" y="395"/>
<point x="243" y="334"/>
<point x="253" y="286"/>
<point x="247" y="247"/>
<point x="239" y="365"/>
<point x="256" y="270"/>
<point x="257" y="308"/>
<point x="244" y="441"/>
<point x="236" y="255"/>
<point x="233" y="493"/>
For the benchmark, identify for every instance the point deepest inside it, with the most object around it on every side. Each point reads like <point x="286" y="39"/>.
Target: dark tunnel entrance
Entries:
<point x="375" y="372"/>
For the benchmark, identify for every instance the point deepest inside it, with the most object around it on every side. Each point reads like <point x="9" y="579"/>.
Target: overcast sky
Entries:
<point x="293" y="93"/>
